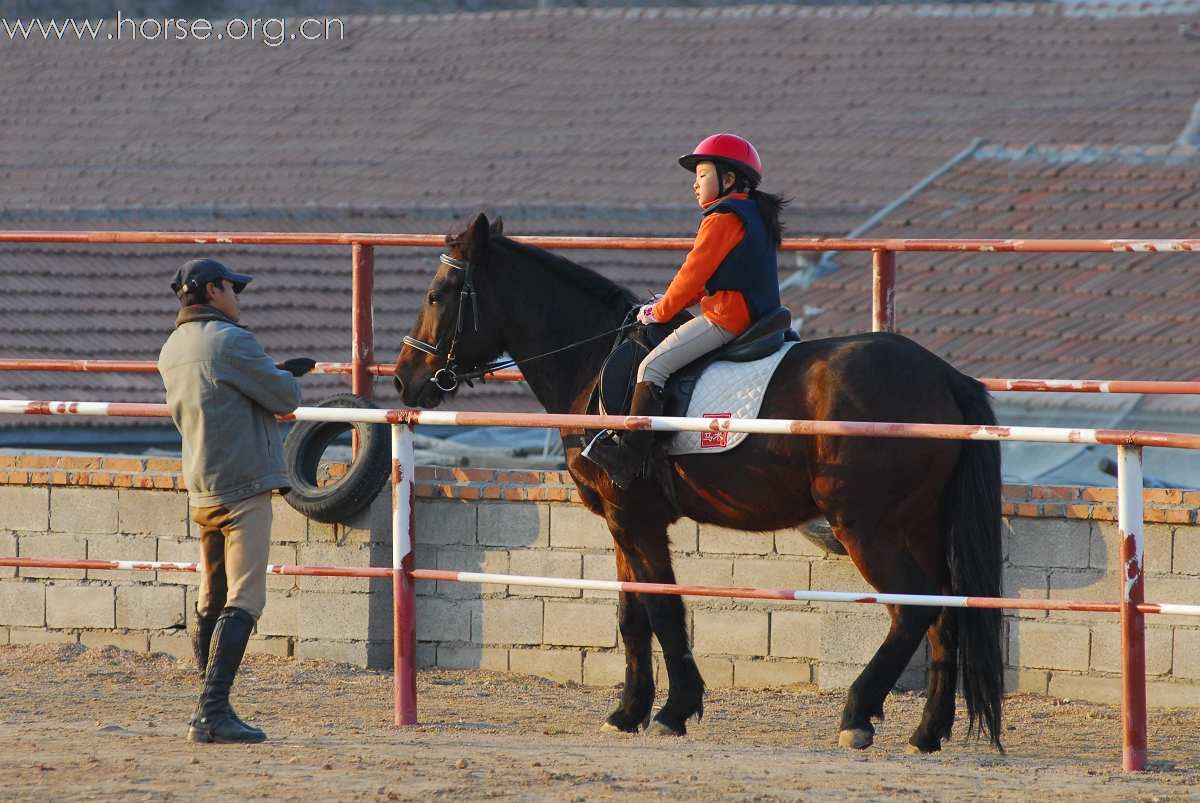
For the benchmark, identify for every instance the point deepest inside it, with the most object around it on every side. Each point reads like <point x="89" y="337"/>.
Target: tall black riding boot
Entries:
<point x="201" y="642"/>
<point x="623" y="455"/>
<point x="214" y="720"/>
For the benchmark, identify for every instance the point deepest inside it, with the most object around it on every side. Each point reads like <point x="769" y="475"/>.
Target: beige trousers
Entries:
<point x="689" y="342"/>
<point x="234" y="542"/>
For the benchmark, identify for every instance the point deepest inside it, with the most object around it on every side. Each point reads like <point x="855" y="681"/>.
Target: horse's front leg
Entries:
<point x="637" y="697"/>
<point x="648" y="559"/>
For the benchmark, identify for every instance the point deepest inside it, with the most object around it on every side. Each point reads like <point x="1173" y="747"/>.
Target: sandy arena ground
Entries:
<point x="104" y="724"/>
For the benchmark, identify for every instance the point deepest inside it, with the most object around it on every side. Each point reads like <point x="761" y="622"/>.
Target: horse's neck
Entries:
<point x="538" y="322"/>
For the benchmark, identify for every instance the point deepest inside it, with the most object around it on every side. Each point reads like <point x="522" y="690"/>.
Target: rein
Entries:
<point x="448" y="376"/>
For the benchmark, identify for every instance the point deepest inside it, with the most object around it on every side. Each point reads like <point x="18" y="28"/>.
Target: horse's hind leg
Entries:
<point x="637" y="697"/>
<point x="938" y="717"/>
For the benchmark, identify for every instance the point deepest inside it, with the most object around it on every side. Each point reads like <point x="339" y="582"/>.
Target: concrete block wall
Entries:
<point x="1059" y="543"/>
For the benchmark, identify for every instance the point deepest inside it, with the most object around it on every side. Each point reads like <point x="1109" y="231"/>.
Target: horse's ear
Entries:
<point x="497" y="227"/>
<point x="478" y="234"/>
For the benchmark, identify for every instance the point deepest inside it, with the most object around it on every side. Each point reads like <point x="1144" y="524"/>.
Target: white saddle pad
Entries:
<point x="726" y="390"/>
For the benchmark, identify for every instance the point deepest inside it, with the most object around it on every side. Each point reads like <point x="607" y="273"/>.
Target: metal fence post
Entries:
<point x="362" y="319"/>
<point x="1133" y="622"/>
<point x="883" y="295"/>
<point x="404" y="623"/>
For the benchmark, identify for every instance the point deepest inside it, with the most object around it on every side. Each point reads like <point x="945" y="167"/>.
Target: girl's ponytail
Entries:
<point x="770" y="207"/>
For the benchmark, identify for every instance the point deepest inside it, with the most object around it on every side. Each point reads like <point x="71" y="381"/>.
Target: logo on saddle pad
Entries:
<point x="715" y="440"/>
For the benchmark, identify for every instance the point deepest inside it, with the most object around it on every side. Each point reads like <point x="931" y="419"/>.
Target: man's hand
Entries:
<point x="297" y="366"/>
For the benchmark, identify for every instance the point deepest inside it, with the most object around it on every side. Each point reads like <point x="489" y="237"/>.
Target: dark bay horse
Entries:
<point x="915" y="516"/>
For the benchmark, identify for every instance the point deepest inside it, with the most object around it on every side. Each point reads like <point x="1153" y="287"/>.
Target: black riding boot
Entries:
<point x="201" y="641"/>
<point x="623" y="455"/>
<point x="214" y="720"/>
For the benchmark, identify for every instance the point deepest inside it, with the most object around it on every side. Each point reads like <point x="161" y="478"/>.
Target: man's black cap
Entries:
<point x="199" y="272"/>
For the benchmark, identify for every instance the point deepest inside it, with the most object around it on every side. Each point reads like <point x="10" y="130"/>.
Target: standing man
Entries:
<point x="224" y="392"/>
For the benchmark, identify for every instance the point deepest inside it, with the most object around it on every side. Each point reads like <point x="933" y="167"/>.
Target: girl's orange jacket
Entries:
<point x="718" y="235"/>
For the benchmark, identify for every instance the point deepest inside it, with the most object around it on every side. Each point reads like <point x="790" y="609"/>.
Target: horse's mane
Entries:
<point x="585" y="279"/>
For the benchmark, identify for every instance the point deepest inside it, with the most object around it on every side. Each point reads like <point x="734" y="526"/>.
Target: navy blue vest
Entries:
<point x="750" y="268"/>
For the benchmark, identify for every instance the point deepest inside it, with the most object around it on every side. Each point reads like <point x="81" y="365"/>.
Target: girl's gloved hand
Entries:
<point x="646" y="315"/>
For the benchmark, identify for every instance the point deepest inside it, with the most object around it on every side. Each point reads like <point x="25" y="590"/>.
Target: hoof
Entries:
<point x="657" y="728"/>
<point x="913" y="749"/>
<point x="608" y="727"/>
<point x="922" y="751"/>
<point x="856" y="738"/>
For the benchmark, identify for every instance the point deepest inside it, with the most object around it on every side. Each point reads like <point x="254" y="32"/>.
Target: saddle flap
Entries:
<point x="618" y="375"/>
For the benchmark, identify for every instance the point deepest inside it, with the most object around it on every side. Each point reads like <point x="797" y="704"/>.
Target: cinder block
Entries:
<point x="281" y="616"/>
<point x="717" y="671"/>
<point x="83" y="510"/>
<point x="445" y="522"/>
<point x="1179" y="588"/>
<point x="158" y="513"/>
<point x="53" y="545"/>
<point x="150" y="607"/>
<point x="457" y="656"/>
<point x="8" y="549"/>
<point x="789" y="574"/>
<point x="17" y="635"/>
<point x="558" y="665"/>
<point x="134" y="642"/>
<point x="424" y="657"/>
<point x="852" y="639"/>
<point x="1106" y="647"/>
<point x="1030" y="681"/>
<point x="770" y="674"/>
<point x="515" y="524"/>
<point x="1085" y="584"/>
<point x="1026" y="584"/>
<point x="604" y="669"/>
<point x="1049" y="543"/>
<point x="373" y="654"/>
<point x="326" y="554"/>
<point x="600" y="567"/>
<point x="25" y="508"/>
<point x="796" y="634"/>
<point x="1186" y="658"/>
<point x="714" y="539"/>
<point x="80" y="606"/>
<point x="540" y="563"/>
<point x="279" y="554"/>
<point x="114" y="546"/>
<point x="704" y="571"/>
<point x="1093" y="688"/>
<point x="838" y="574"/>
<point x="425" y="557"/>
<point x="574" y="526"/>
<point x="288" y="525"/>
<point x="491" y="561"/>
<point x="507" y="621"/>
<point x="1045" y="645"/>
<point x="318" y="532"/>
<point x="828" y="675"/>
<point x="372" y="524"/>
<point x="1175" y="695"/>
<point x="580" y="624"/>
<point x="795" y="542"/>
<point x="349" y="617"/>
<point x="445" y="619"/>
<point x="683" y="535"/>
<point x="1186" y="551"/>
<point x="22" y="604"/>
<point x="1106" y="545"/>
<point x="172" y="550"/>
<point x="279" y="646"/>
<point x="3" y="636"/>
<point x="722" y="632"/>
<point x="175" y="644"/>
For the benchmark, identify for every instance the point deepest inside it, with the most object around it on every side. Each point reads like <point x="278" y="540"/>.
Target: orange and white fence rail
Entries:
<point x="1132" y="606"/>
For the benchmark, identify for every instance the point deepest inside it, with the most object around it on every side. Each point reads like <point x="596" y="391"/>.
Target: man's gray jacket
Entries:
<point x="224" y="391"/>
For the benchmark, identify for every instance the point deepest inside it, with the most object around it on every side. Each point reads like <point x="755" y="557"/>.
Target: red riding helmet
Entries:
<point x="730" y="149"/>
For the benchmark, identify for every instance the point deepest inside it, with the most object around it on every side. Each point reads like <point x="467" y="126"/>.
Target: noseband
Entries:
<point x="446" y="377"/>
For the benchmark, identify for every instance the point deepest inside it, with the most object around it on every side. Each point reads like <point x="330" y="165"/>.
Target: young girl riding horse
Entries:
<point x="730" y="270"/>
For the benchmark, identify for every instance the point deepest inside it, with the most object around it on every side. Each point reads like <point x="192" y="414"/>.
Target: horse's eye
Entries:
<point x="433" y="300"/>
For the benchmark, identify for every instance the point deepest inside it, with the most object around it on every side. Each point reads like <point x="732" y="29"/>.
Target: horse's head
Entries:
<point x="452" y="335"/>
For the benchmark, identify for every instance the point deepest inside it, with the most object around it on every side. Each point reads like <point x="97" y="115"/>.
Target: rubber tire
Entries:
<point x="367" y="474"/>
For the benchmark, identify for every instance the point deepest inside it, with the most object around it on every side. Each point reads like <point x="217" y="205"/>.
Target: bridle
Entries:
<point x="446" y="378"/>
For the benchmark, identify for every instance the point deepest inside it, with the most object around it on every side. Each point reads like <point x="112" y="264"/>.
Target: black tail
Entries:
<point x="972" y="519"/>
